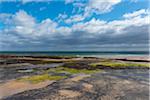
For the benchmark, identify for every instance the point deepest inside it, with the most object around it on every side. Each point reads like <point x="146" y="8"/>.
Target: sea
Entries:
<point x="78" y="53"/>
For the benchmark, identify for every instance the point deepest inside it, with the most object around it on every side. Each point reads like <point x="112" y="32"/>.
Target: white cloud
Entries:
<point x="61" y="17"/>
<point x="21" y="18"/>
<point x="26" y="24"/>
<point x="101" y="6"/>
<point x="75" y="18"/>
<point x="64" y="30"/>
<point x="90" y="7"/>
<point x="93" y="27"/>
<point x="79" y="4"/>
<point x="117" y="27"/>
<point x="25" y="27"/>
<point x="46" y="27"/>
<point x="69" y="1"/>
<point x="136" y="13"/>
<point x="131" y="32"/>
<point x="23" y="23"/>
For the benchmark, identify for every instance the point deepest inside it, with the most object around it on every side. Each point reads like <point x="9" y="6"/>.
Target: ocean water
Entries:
<point x="77" y="53"/>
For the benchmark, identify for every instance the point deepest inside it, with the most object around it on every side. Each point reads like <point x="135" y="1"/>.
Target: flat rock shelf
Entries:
<point x="73" y="78"/>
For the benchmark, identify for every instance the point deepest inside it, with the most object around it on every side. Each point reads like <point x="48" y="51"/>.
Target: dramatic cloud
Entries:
<point x="25" y="30"/>
<point x="25" y="25"/>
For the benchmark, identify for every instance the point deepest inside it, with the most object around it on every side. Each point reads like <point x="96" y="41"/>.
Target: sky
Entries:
<point x="74" y="25"/>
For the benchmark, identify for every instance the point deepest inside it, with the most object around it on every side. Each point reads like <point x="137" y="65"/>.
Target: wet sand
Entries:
<point x="13" y="87"/>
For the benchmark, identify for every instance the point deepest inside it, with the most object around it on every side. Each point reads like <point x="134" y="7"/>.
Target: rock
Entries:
<point x="87" y="87"/>
<point x="78" y="78"/>
<point x="69" y="93"/>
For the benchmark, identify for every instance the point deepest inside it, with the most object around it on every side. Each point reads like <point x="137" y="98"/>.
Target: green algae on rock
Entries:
<point x="121" y="65"/>
<point x="72" y="70"/>
<point x="41" y="78"/>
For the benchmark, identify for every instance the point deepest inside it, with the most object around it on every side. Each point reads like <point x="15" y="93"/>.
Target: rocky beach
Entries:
<point x="73" y="78"/>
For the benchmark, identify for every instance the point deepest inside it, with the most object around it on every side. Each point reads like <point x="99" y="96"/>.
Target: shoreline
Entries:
<point x="137" y="58"/>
